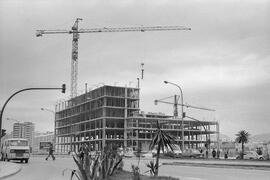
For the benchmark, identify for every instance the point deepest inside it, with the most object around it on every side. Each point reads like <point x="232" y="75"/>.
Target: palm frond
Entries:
<point x="242" y="136"/>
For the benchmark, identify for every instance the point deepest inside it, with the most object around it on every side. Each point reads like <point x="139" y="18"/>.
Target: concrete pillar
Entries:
<point x="104" y="123"/>
<point x="217" y="131"/>
<point x="125" y="119"/>
<point x="103" y="132"/>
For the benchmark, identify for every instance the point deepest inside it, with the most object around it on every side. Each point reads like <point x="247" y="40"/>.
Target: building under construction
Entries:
<point x="111" y="115"/>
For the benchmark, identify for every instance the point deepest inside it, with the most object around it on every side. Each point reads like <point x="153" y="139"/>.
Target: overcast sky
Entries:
<point x="222" y="63"/>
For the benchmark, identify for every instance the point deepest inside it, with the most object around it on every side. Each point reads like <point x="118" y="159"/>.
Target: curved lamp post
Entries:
<point x="14" y="120"/>
<point x="63" y="88"/>
<point x="182" y="110"/>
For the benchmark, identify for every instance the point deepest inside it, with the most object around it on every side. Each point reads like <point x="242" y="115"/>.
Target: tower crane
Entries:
<point x="175" y="105"/>
<point x="75" y="31"/>
<point x="175" y="114"/>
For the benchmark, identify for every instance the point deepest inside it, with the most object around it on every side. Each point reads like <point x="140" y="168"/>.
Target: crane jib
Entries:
<point x="75" y="31"/>
<point x="124" y="29"/>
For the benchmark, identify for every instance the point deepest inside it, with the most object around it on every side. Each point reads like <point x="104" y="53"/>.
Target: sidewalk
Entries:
<point x="242" y="164"/>
<point x="8" y="169"/>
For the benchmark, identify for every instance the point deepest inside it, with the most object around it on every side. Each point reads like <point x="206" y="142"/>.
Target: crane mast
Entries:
<point x="75" y="31"/>
<point x="74" y="59"/>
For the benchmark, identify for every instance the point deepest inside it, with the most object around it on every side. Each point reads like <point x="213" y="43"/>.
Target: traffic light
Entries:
<point x="63" y="88"/>
<point x="3" y="133"/>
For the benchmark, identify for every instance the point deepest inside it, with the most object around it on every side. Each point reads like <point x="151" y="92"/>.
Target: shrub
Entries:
<point x="98" y="166"/>
<point x="152" y="168"/>
<point x="135" y="172"/>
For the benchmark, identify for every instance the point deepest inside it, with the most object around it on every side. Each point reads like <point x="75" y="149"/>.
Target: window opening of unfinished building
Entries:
<point x="115" y="102"/>
<point x="115" y="91"/>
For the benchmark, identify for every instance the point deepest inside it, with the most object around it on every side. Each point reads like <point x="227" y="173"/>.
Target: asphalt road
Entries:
<point x="40" y="169"/>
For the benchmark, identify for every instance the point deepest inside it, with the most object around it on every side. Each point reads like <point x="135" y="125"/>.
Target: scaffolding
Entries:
<point x="97" y="118"/>
<point x="141" y="130"/>
<point x="110" y="115"/>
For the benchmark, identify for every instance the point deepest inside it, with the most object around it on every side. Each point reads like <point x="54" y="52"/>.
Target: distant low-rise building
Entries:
<point x="42" y="138"/>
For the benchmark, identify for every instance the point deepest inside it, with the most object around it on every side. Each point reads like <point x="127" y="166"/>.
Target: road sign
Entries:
<point x="44" y="145"/>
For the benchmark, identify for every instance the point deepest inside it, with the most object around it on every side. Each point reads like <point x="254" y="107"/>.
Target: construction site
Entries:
<point x="111" y="115"/>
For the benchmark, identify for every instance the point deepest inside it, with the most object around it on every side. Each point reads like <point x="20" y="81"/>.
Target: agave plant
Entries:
<point x="152" y="168"/>
<point x="95" y="167"/>
<point x="88" y="167"/>
<point x="110" y="161"/>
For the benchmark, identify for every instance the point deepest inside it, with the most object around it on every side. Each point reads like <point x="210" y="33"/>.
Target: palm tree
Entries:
<point x="242" y="137"/>
<point x="161" y="140"/>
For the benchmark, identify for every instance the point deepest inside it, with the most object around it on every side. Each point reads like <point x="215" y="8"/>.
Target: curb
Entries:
<point x="15" y="169"/>
<point x="219" y="165"/>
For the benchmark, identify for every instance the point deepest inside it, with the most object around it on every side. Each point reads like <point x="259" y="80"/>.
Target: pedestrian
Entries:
<point x="82" y="150"/>
<point x="50" y="152"/>
<point x="206" y="154"/>
<point x="218" y="153"/>
<point x="214" y="153"/>
<point x="259" y="151"/>
<point x="226" y="154"/>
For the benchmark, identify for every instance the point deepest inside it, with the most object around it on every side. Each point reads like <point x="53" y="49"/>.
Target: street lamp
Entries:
<point x="14" y="120"/>
<point x="53" y="112"/>
<point x="49" y="110"/>
<point x="182" y="110"/>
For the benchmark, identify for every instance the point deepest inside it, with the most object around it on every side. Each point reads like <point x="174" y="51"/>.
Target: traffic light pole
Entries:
<point x="63" y="88"/>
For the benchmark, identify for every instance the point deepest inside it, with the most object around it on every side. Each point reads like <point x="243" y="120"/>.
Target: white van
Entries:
<point x="16" y="149"/>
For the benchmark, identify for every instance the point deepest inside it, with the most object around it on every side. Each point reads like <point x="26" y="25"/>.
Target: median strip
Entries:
<point x="221" y="165"/>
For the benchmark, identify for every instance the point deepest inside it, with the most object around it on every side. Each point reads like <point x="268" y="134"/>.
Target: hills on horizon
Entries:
<point x="264" y="137"/>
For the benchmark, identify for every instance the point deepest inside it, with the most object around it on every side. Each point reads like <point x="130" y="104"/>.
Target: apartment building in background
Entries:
<point x="24" y="130"/>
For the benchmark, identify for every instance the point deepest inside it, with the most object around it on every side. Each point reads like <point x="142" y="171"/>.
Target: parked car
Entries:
<point x="192" y="153"/>
<point x="250" y="155"/>
<point x="120" y="151"/>
<point x="168" y="152"/>
<point x="147" y="155"/>
<point x="128" y="152"/>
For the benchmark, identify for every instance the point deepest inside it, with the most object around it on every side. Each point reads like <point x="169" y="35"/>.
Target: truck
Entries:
<point x="16" y="149"/>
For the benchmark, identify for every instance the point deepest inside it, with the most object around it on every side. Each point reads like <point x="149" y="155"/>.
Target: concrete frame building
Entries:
<point x="111" y="115"/>
<point x="141" y="128"/>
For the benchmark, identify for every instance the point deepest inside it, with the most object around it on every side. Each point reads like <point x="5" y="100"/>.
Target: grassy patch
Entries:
<point x="125" y="175"/>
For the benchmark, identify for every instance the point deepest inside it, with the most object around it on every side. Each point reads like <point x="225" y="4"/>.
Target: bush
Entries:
<point x="135" y="173"/>
<point x="152" y="168"/>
